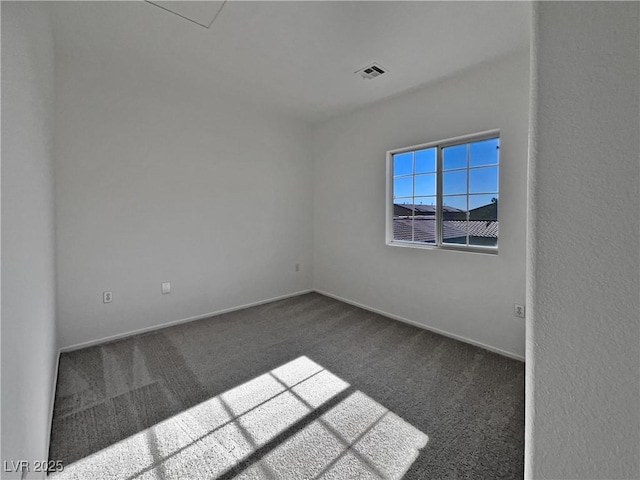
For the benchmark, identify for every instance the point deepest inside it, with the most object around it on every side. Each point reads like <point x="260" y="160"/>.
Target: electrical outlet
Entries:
<point x="297" y="267"/>
<point x="166" y="288"/>
<point x="107" y="297"/>
<point x="518" y="310"/>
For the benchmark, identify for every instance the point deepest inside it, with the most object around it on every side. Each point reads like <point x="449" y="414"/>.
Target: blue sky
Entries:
<point x="420" y="188"/>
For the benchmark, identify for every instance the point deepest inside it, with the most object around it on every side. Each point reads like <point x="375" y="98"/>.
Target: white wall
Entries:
<point x="583" y="349"/>
<point x="156" y="184"/>
<point x="28" y="276"/>
<point x="465" y="294"/>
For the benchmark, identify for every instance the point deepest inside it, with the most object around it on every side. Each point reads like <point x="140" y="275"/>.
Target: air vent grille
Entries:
<point x="372" y="71"/>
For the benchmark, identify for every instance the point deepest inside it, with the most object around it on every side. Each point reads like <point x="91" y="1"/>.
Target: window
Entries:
<point x="445" y="194"/>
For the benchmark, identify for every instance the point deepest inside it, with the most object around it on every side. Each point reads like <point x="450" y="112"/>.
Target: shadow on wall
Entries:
<point x="265" y="428"/>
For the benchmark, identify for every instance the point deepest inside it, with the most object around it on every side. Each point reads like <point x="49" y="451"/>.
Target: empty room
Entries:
<point x="320" y="240"/>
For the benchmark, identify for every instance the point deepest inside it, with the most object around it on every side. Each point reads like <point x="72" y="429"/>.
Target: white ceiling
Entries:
<point x="297" y="57"/>
<point x="200" y="13"/>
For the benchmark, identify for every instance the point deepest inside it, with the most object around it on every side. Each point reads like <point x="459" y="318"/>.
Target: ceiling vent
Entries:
<point x="372" y="71"/>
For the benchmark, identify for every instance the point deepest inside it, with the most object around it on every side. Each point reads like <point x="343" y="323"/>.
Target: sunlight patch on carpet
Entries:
<point x="357" y="438"/>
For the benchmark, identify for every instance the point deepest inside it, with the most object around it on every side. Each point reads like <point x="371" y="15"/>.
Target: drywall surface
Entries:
<point x="158" y="185"/>
<point x="583" y="345"/>
<point x="28" y="265"/>
<point x="469" y="295"/>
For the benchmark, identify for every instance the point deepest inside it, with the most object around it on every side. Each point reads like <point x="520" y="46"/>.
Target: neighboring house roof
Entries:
<point x="424" y="229"/>
<point x="423" y="209"/>
<point x="478" y="228"/>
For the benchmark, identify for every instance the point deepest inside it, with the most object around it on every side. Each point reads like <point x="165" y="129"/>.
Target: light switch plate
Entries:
<point x="166" y="288"/>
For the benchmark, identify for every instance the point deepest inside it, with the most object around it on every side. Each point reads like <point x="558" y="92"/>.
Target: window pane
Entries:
<point x="484" y="152"/>
<point x="425" y="184"/>
<point x="454" y="219"/>
<point x="424" y="229"/>
<point x="483" y="180"/>
<point x="483" y="202"/>
<point x="403" y="203"/>
<point x="403" y="219"/>
<point x="403" y="163"/>
<point x="490" y="241"/>
<point x="454" y="182"/>
<point x="426" y="160"/>
<point x="455" y="202"/>
<point x="402" y="229"/>
<point x="454" y="157"/>
<point x="454" y="207"/>
<point x="454" y="231"/>
<point x="455" y="234"/>
<point x="483" y="220"/>
<point x="403" y="186"/>
<point x="425" y="205"/>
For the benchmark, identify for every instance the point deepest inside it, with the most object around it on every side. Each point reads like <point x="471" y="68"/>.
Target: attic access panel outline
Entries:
<point x="192" y="11"/>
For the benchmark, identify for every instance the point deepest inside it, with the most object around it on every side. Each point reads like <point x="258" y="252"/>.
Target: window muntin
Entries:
<point x="446" y="193"/>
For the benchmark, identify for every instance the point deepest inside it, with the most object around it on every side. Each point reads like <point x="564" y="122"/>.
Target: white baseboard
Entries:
<point x="424" y="327"/>
<point x="295" y="294"/>
<point x="119" y="336"/>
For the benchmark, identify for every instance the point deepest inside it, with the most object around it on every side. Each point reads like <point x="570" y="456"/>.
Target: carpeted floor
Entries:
<point x="307" y="387"/>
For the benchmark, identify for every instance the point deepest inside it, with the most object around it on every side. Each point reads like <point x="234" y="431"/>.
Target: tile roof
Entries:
<point x="424" y="229"/>
<point x="478" y="228"/>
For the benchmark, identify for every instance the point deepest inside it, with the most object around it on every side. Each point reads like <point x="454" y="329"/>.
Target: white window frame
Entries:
<point x="440" y="144"/>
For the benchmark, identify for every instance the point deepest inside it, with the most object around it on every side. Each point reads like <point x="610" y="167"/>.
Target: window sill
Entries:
<point x="455" y="248"/>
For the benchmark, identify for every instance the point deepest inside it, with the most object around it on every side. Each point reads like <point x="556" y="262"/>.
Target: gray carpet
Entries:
<point x="306" y="387"/>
